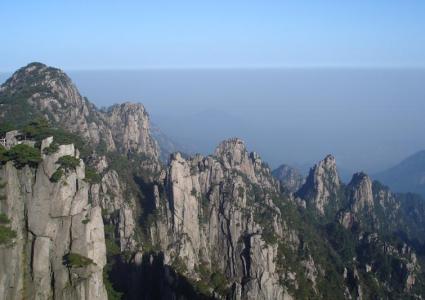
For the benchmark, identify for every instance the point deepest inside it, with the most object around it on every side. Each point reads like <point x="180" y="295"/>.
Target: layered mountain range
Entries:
<point x="407" y="176"/>
<point x="88" y="210"/>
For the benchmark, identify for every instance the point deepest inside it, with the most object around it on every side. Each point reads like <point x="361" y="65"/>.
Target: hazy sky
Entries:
<point x="369" y="118"/>
<point x="137" y="34"/>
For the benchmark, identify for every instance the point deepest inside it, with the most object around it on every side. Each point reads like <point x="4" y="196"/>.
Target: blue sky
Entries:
<point x="195" y="34"/>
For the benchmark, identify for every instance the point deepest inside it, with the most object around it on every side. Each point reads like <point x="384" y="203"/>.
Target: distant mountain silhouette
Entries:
<point x="407" y="176"/>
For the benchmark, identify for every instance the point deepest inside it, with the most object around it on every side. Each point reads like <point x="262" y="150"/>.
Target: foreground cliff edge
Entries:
<point x="59" y="248"/>
<point x="89" y="211"/>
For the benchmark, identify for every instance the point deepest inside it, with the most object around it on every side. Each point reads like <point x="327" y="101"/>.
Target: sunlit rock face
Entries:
<point x="51" y="220"/>
<point x="322" y="185"/>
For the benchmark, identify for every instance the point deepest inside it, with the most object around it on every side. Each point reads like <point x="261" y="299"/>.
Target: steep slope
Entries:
<point x="39" y="90"/>
<point x="322" y="187"/>
<point x="407" y="176"/>
<point x="116" y="136"/>
<point x="211" y="220"/>
<point x="58" y="250"/>
<point x="379" y="237"/>
<point x="112" y="143"/>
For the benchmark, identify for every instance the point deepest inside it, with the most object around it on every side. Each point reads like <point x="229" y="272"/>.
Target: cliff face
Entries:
<point x="130" y="129"/>
<point x="38" y="90"/>
<point x="212" y="220"/>
<point x="322" y="185"/>
<point x="54" y="222"/>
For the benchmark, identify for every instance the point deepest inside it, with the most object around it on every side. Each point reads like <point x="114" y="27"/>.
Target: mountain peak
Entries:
<point x="34" y="74"/>
<point x="361" y="191"/>
<point x="233" y="148"/>
<point x="322" y="184"/>
<point x="130" y="127"/>
<point x="38" y="90"/>
<point x="358" y="177"/>
<point x="329" y="161"/>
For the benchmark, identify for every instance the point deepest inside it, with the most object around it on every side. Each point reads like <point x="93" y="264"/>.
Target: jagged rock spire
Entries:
<point x="361" y="195"/>
<point x="130" y="127"/>
<point x="322" y="184"/>
<point x="232" y="151"/>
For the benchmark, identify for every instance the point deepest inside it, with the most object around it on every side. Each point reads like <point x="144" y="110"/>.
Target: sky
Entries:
<point x="296" y="79"/>
<point x="95" y="35"/>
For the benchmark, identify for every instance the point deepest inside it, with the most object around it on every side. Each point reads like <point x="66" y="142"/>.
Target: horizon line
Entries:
<point x="226" y="67"/>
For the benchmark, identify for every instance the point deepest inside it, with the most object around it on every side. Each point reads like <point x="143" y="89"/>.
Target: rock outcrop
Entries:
<point x="212" y="220"/>
<point x="59" y="249"/>
<point x="130" y="127"/>
<point x="45" y="91"/>
<point x="322" y="185"/>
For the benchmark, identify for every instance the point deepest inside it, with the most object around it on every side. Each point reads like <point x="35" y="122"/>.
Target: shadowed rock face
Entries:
<point x="322" y="184"/>
<point x="290" y="178"/>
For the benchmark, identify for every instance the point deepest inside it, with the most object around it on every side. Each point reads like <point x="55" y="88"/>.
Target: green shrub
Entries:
<point x="6" y="235"/>
<point x="269" y="236"/>
<point x="53" y="148"/>
<point x="112" y="293"/>
<point x="92" y="176"/>
<point x="40" y="129"/>
<point x="4" y="219"/>
<point x="23" y="155"/>
<point x="68" y="162"/>
<point x="3" y="152"/>
<point x="36" y="128"/>
<point x="112" y="247"/>
<point x="219" y="283"/>
<point x="57" y="175"/>
<point x="179" y="265"/>
<point x="210" y="280"/>
<point x="5" y="127"/>
<point x="202" y="288"/>
<point x="75" y="260"/>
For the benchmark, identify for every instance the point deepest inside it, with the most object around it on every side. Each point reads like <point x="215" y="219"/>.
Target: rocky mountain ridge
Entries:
<point x="45" y="91"/>
<point x="213" y="227"/>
